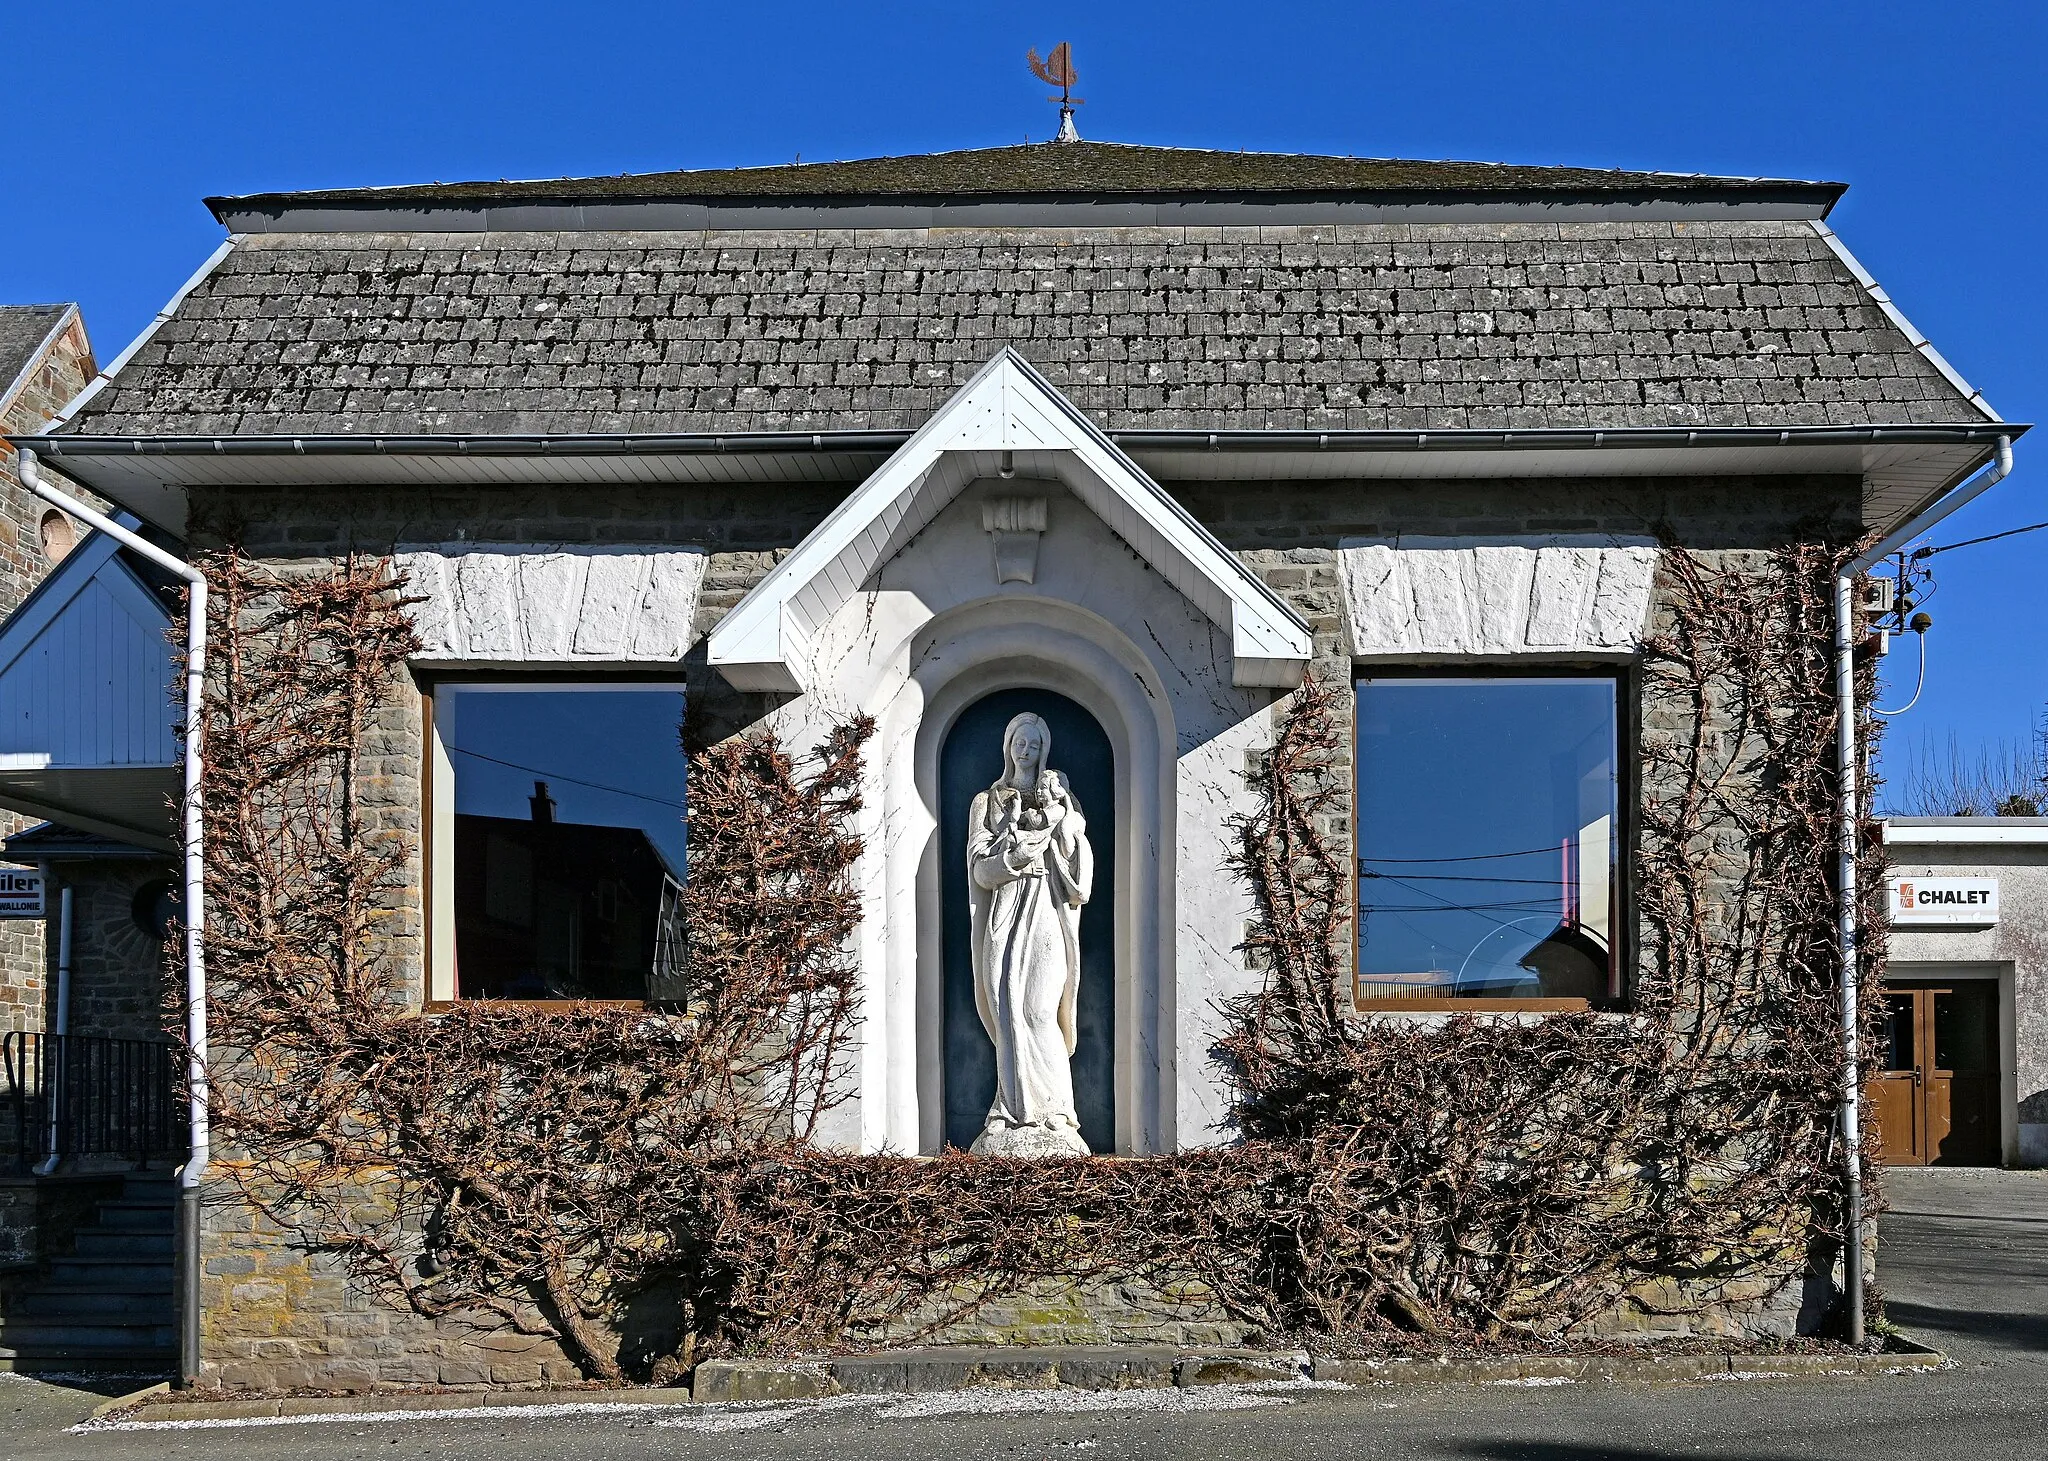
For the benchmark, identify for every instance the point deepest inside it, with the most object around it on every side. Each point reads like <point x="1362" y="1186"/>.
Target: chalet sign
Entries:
<point x="21" y="893"/>
<point x="1943" y="902"/>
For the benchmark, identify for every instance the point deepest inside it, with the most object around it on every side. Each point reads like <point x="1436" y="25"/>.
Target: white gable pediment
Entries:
<point x="1007" y="419"/>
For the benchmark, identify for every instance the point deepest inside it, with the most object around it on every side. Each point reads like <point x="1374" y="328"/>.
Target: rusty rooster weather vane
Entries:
<point x="1058" y="70"/>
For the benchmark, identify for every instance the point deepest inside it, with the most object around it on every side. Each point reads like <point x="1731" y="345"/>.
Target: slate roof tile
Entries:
<point x="1422" y="326"/>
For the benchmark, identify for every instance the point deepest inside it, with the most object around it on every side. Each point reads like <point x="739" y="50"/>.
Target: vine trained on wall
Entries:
<point x="646" y="1186"/>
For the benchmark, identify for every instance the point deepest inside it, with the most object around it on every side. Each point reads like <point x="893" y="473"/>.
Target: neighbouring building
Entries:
<point x="45" y="361"/>
<point x="1129" y="439"/>
<point x="1965" y="1034"/>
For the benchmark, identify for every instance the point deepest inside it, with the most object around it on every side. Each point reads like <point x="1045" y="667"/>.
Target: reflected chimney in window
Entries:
<point x="543" y="805"/>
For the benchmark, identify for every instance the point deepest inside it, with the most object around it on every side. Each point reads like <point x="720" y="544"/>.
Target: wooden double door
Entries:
<point x="1937" y="1098"/>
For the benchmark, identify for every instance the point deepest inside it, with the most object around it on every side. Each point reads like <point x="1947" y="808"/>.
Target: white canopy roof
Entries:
<point x="1007" y="416"/>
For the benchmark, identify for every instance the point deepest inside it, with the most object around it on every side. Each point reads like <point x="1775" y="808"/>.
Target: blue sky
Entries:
<point x="127" y="114"/>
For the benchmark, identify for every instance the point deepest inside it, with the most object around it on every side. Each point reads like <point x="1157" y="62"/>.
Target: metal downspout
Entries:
<point x="1848" y="767"/>
<point x="194" y="843"/>
<point x="63" y="1017"/>
<point x="1846" y="756"/>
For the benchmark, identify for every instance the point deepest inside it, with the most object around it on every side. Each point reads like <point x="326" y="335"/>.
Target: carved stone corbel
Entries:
<point x="1014" y="525"/>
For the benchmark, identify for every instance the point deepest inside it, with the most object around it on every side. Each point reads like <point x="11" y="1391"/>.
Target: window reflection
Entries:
<point x="568" y="839"/>
<point x="1488" y="838"/>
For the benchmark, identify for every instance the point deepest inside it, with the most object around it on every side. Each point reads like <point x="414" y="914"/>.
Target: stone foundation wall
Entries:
<point x="276" y="1317"/>
<point x="38" y="1215"/>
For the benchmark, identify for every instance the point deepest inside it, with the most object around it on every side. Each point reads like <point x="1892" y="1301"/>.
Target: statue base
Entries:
<point x="1030" y="1141"/>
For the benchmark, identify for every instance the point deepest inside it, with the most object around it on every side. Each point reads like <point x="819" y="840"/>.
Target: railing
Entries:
<point x="84" y="1096"/>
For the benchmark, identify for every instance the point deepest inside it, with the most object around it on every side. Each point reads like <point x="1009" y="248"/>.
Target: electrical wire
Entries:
<point x="1973" y="542"/>
<point x="1917" y="688"/>
<point x="564" y="776"/>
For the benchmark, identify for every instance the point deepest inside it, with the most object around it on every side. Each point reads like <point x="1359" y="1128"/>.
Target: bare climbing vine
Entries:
<point x="646" y="1186"/>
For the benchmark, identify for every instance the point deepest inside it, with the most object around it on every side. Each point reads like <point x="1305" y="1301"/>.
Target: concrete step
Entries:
<point x="107" y="1272"/>
<point x="101" y="1243"/>
<point x="84" y="1336"/>
<point x="138" y="1360"/>
<point x="151" y="1305"/>
<point x="125" y="1216"/>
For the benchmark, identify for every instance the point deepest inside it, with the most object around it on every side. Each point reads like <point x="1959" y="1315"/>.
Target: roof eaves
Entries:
<point x="484" y="444"/>
<point x="56" y="841"/>
<point x="37" y="356"/>
<point x="100" y="382"/>
<point x="1905" y="326"/>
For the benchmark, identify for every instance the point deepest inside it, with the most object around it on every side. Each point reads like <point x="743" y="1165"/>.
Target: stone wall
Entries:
<point x="117" y="967"/>
<point x="38" y="1215"/>
<point x="276" y="1316"/>
<point x="64" y="370"/>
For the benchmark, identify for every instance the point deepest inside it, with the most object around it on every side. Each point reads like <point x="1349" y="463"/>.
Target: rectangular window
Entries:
<point x="1489" y="840"/>
<point x="557" y="841"/>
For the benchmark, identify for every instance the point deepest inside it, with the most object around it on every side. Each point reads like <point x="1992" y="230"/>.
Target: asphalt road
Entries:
<point x="1965" y="1260"/>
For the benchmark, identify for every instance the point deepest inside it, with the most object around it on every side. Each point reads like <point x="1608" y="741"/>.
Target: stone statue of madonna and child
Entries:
<point x="1029" y="870"/>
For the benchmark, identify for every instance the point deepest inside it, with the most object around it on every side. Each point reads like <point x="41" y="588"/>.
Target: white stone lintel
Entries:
<point x="1561" y="597"/>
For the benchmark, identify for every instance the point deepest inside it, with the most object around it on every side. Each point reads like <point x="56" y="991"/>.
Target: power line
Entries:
<point x="563" y="776"/>
<point x="1469" y="857"/>
<point x="1973" y="542"/>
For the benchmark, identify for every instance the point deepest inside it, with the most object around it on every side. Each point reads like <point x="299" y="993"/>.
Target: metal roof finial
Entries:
<point x="1058" y="70"/>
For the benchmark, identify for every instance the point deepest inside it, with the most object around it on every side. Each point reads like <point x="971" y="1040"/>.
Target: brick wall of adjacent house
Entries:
<point x="276" y="1316"/>
<point x="62" y="371"/>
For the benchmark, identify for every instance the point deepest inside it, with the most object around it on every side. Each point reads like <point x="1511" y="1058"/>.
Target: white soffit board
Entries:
<point x="1007" y="408"/>
<point x="551" y="603"/>
<point x="1470" y="599"/>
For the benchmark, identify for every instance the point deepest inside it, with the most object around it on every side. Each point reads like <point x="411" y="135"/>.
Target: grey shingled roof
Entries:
<point x="1431" y="327"/>
<point x="1050" y="169"/>
<point x="23" y="329"/>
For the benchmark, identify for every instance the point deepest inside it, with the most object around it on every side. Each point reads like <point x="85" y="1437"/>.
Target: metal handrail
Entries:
<point x="91" y="1096"/>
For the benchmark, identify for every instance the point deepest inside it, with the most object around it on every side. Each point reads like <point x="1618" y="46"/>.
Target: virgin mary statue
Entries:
<point x="1029" y="869"/>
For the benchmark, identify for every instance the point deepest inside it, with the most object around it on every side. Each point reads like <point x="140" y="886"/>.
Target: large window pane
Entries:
<point x="1488" y="838"/>
<point x="567" y="839"/>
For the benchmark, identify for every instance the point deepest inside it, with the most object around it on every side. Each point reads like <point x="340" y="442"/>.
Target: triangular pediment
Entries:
<point x="1008" y="418"/>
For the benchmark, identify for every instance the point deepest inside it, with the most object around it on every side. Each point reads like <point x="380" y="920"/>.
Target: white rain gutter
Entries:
<point x="194" y="843"/>
<point x="1848" y="764"/>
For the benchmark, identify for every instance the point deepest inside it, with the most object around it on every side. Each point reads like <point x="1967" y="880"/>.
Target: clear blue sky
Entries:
<point x="127" y="114"/>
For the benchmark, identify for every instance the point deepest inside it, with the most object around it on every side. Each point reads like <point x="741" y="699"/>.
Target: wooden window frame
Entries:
<point x="1627" y="682"/>
<point x="435" y="945"/>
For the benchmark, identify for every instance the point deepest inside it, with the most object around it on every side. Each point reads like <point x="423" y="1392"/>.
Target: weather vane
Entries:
<point x="1058" y="70"/>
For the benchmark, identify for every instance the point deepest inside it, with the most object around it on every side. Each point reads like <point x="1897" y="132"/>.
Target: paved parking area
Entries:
<point x="1964" y="1260"/>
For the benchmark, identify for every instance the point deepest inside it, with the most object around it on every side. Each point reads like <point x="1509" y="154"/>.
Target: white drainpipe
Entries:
<point x="1848" y="765"/>
<point x="194" y="844"/>
<point x="63" y="1018"/>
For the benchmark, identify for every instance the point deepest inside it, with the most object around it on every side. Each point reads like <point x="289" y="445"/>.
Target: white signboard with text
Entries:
<point x="1943" y="902"/>
<point x="21" y="893"/>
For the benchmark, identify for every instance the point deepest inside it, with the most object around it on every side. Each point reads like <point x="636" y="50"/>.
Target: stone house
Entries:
<point x="1131" y="439"/>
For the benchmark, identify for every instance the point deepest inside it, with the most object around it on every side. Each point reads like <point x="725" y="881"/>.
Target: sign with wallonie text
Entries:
<point x="1944" y="902"/>
<point x="21" y="893"/>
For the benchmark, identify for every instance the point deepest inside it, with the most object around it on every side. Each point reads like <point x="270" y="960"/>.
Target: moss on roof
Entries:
<point x="1047" y="168"/>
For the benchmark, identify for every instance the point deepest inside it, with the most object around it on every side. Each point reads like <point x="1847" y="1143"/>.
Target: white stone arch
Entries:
<point x="959" y="657"/>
